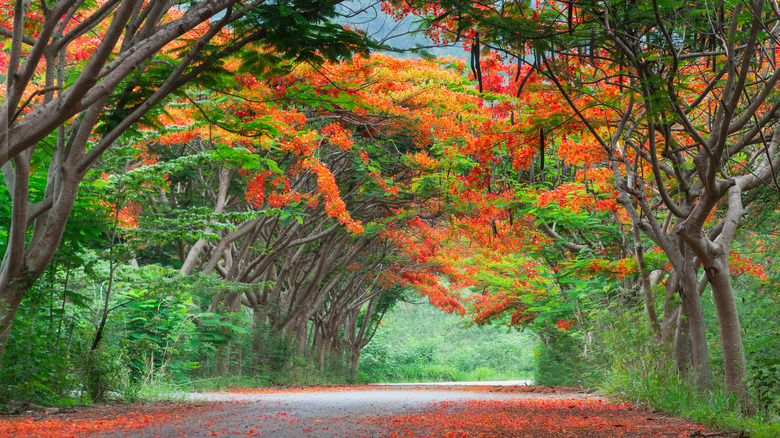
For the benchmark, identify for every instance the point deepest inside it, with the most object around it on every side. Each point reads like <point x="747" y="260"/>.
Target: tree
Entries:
<point x="82" y="75"/>
<point x="681" y="100"/>
<point x="261" y="178"/>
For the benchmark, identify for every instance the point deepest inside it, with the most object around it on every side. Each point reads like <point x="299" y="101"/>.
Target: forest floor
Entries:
<point x="364" y="411"/>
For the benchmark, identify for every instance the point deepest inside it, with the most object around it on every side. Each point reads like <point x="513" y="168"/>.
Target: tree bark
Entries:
<point x="715" y="258"/>
<point x="734" y="366"/>
<point x="682" y="342"/>
<point x="354" y="359"/>
<point x="259" y="335"/>
<point x="10" y="299"/>
<point x="697" y="329"/>
<point x="644" y="282"/>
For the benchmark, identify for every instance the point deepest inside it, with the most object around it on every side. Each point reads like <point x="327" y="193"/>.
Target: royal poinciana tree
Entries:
<point x="622" y="128"/>
<point x="679" y="98"/>
<point x="293" y="186"/>
<point x="78" y="75"/>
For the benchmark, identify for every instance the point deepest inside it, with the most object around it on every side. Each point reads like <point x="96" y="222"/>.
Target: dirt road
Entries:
<point x="368" y="411"/>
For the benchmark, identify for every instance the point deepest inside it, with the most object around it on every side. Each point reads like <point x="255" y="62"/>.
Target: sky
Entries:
<point x="367" y="15"/>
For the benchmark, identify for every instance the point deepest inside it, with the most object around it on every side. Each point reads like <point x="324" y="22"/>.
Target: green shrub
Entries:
<point x="560" y="363"/>
<point x="37" y="366"/>
<point x="102" y="371"/>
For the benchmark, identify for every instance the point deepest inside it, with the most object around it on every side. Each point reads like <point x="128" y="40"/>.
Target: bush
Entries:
<point x="560" y="363"/>
<point x="102" y="371"/>
<point x="36" y="367"/>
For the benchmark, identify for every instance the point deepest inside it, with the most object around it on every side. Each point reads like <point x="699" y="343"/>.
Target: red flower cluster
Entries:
<point x="564" y="325"/>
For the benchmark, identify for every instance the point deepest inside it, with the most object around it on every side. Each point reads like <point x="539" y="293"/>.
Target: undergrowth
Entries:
<point x="667" y="392"/>
<point x="636" y="368"/>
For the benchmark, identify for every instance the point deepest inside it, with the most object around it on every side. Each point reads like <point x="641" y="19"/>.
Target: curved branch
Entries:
<point x="574" y="247"/>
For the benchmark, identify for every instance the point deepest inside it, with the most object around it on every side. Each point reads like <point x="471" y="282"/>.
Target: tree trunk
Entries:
<point x="671" y="315"/>
<point x="24" y="261"/>
<point x="700" y="355"/>
<point x="10" y="297"/>
<point x="13" y="281"/>
<point x="296" y="328"/>
<point x="354" y="357"/>
<point x="259" y="332"/>
<point x="734" y="366"/>
<point x="644" y="282"/>
<point x="323" y="348"/>
<point x="259" y="337"/>
<point x="301" y="341"/>
<point x="682" y="342"/>
<point x="714" y="256"/>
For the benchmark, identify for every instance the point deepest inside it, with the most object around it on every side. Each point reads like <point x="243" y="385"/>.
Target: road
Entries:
<point x="322" y="413"/>
<point x="501" y="410"/>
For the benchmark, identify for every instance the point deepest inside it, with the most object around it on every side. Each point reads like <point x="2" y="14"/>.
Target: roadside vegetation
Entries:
<point x="418" y="343"/>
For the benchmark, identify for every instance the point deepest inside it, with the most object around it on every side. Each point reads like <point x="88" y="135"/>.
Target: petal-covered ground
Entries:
<point x="537" y="419"/>
<point x="365" y="411"/>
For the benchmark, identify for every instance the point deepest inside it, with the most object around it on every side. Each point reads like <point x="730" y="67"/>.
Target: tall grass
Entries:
<point x="636" y="368"/>
<point x="664" y="390"/>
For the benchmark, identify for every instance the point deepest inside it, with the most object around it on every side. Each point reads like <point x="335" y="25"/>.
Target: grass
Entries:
<point x="416" y="372"/>
<point x="665" y="391"/>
